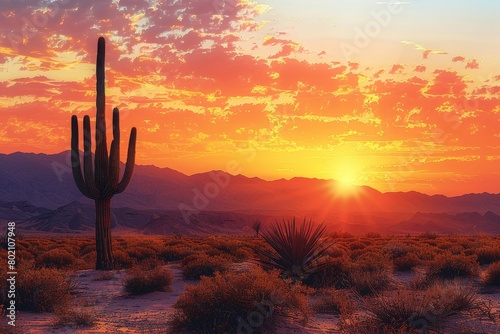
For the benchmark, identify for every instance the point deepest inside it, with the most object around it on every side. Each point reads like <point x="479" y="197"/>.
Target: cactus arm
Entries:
<point x="87" y="159"/>
<point x="129" y="167"/>
<point x="101" y="151"/>
<point x="75" y="159"/>
<point x="114" y="157"/>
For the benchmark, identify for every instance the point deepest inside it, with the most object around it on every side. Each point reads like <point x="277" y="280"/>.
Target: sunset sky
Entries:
<point x="398" y="96"/>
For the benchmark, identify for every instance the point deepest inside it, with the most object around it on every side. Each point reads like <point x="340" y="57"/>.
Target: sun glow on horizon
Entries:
<point x="346" y="177"/>
<point x="344" y="189"/>
<point x="346" y="171"/>
<point x="270" y="85"/>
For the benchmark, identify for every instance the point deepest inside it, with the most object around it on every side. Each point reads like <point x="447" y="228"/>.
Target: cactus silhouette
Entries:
<point x="102" y="182"/>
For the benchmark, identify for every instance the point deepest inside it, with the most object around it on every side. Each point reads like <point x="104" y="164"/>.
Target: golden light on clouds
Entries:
<point x="204" y="81"/>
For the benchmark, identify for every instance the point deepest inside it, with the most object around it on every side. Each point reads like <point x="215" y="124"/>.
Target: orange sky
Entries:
<point x="396" y="97"/>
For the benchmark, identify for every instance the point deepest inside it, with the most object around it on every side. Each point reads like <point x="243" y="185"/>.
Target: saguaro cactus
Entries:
<point x="102" y="182"/>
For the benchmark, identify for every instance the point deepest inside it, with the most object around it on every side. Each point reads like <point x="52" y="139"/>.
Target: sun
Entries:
<point x="346" y="176"/>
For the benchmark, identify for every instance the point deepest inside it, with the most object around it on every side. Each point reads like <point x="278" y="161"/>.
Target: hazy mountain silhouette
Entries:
<point x="19" y="210"/>
<point x="152" y="201"/>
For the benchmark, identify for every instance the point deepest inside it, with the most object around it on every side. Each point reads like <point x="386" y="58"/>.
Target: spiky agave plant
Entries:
<point x="296" y="249"/>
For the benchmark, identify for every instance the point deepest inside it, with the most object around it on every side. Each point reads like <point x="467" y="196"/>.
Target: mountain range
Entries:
<point x="38" y="191"/>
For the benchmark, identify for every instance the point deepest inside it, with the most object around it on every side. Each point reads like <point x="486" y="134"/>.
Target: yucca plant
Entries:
<point x="296" y="250"/>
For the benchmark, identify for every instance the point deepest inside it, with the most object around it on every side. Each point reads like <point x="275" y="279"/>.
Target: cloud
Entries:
<point x="447" y="83"/>
<point x="206" y="80"/>
<point x="353" y="65"/>
<point x="287" y="46"/>
<point x="420" y="68"/>
<point x="472" y="64"/>
<point x="396" y="69"/>
<point x="425" y="51"/>
<point x="378" y="73"/>
<point x="458" y="59"/>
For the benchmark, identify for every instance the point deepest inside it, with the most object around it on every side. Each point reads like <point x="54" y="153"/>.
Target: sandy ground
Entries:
<point x="118" y="312"/>
<point x="149" y="313"/>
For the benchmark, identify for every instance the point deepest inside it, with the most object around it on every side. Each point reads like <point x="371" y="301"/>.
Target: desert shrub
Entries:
<point x="373" y="262"/>
<point x="141" y="253"/>
<point x="398" y="310"/>
<point x="334" y="273"/>
<point x="174" y="253"/>
<point x="76" y="316"/>
<point x="373" y="235"/>
<point x="406" y="262"/>
<point x="71" y="246"/>
<point x="333" y="301"/>
<point x="90" y="259"/>
<point x="243" y="254"/>
<point x="226" y="302"/>
<point x="42" y="290"/>
<point x="488" y="254"/>
<point x="492" y="274"/>
<point x="368" y="283"/>
<point x="24" y="255"/>
<point x="140" y="281"/>
<point x="357" y="245"/>
<point x="56" y="258"/>
<point x="341" y="235"/>
<point x="87" y="248"/>
<point x="452" y="296"/>
<point x="357" y="253"/>
<point x="445" y="245"/>
<point x="408" y="310"/>
<point x="428" y="235"/>
<point x="225" y="245"/>
<point x="372" y="272"/>
<point x="452" y="266"/>
<point x="150" y="264"/>
<point x="425" y="253"/>
<point x="469" y="252"/>
<point x="195" y="266"/>
<point x="211" y="251"/>
<point x="121" y="260"/>
<point x="432" y="243"/>
<point x="295" y="250"/>
<point x="335" y="252"/>
<point x="368" y="242"/>
<point x="396" y="250"/>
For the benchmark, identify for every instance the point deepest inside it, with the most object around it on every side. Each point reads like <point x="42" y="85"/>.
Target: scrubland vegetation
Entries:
<point x="372" y="283"/>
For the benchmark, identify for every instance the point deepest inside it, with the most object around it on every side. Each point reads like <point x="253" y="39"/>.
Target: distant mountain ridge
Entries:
<point x="79" y="218"/>
<point x="46" y="181"/>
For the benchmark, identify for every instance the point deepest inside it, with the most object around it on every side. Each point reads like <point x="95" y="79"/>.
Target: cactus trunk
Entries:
<point x="103" y="234"/>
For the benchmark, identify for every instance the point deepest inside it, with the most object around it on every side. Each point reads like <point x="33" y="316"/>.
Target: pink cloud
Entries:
<point x="447" y="82"/>
<point x="472" y="64"/>
<point x="396" y="68"/>
<point x="458" y="58"/>
<point x="420" y="68"/>
<point x="353" y="65"/>
<point x="378" y="73"/>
